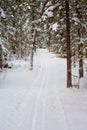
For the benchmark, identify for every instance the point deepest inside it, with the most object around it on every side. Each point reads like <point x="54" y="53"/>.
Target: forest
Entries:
<point x="59" y="25"/>
<point x="43" y="64"/>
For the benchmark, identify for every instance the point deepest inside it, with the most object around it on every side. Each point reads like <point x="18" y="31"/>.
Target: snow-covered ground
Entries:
<point x="39" y="99"/>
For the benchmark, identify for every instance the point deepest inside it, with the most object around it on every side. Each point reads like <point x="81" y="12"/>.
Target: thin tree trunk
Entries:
<point x="80" y="46"/>
<point x="49" y="36"/>
<point x="34" y="34"/>
<point x="33" y="49"/>
<point x="68" y="46"/>
<point x="0" y="56"/>
<point x="86" y="52"/>
<point x="80" y="60"/>
<point x="31" y="59"/>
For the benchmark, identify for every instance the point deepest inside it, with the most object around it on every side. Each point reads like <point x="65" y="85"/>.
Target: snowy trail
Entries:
<point x="38" y="99"/>
<point x="41" y="82"/>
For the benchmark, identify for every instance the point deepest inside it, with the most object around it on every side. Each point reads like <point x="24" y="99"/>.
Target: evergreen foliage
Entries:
<point x="20" y="19"/>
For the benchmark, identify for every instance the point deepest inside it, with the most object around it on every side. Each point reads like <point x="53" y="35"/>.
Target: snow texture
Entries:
<point x="2" y="13"/>
<point x="39" y="99"/>
<point x="49" y="11"/>
<point x="3" y="43"/>
<point x="54" y="27"/>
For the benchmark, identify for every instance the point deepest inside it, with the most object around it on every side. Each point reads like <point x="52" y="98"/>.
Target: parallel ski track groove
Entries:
<point x="42" y="85"/>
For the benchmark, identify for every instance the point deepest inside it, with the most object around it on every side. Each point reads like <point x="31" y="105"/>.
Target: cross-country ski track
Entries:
<point x="39" y="99"/>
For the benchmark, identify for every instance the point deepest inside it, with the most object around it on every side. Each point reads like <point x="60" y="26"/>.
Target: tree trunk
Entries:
<point x="0" y="56"/>
<point x="86" y="52"/>
<point x="33" y="49"/>
<point x="49" y="36"/>
<point x="31" y="59"/>
<point x="34" y="35"/>
<point x="68" y="46"/>
<point x="80" y="46"/>
<point x="80" y="60"/>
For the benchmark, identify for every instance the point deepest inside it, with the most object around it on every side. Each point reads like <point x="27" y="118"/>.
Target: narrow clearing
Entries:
<point x="39" y="99"/>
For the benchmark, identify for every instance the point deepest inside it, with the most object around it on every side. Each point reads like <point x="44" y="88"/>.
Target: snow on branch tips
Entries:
<point x="54" y="27"/>
<point x="2" y="13"/>
<point x="49" y="11"/>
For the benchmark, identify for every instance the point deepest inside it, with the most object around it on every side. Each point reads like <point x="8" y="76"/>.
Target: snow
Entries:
<point x="49" y="11"/>
<point x="76" y="19"/>
<point x="2" y="13"/>
<point x="54" y="27"/>
<point x="39" y="99"/>
<point x="60" y="7"/>
<point x="3" y="43"/>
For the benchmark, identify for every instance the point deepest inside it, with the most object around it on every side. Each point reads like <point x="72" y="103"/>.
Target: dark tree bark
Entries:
<point x="34" y="32"/>
<point x="68" y="46"/>
<point x="80" y="60"/>
<point x="86" y="53"/>
<point x="33" y="49"/>
<point x="0" y="56"/>
<point x="49" y="36"/>
<point x="80" y="46"/>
